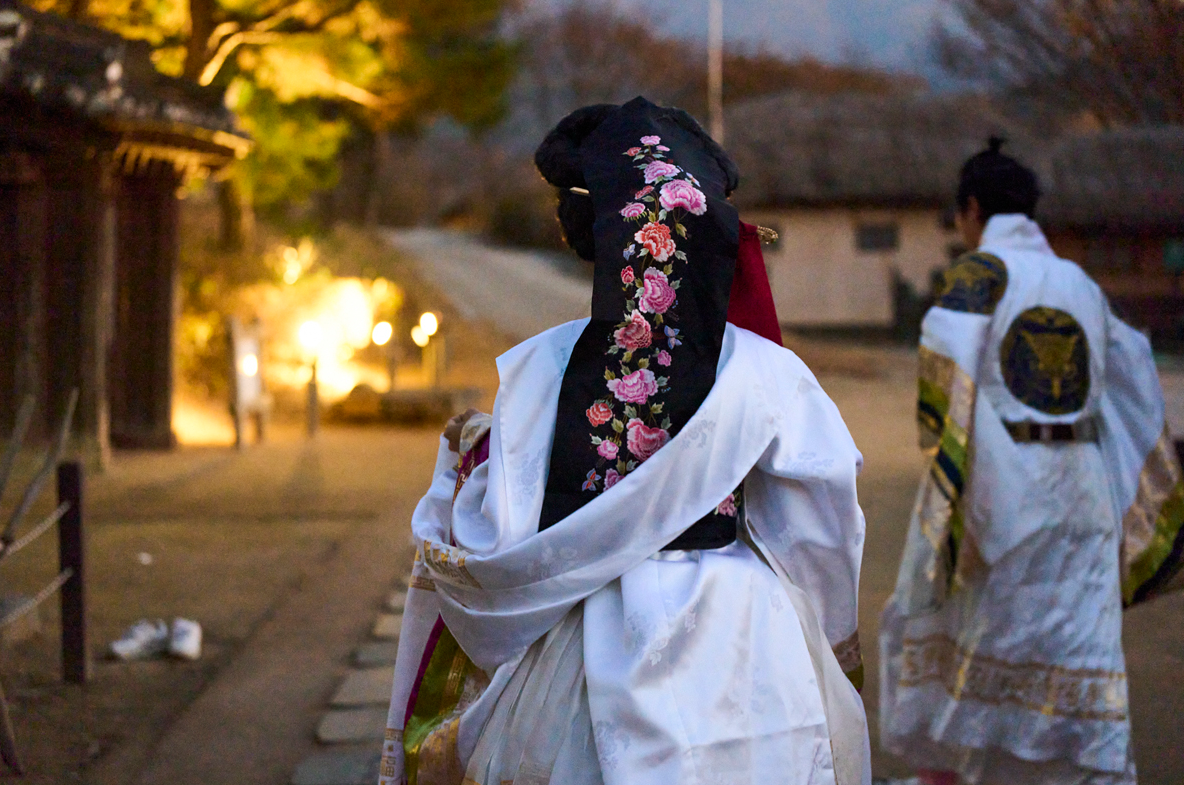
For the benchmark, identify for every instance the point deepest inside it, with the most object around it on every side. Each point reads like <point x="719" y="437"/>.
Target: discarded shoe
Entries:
<point x="143" y="639"/>
<point x="185" y="641"/>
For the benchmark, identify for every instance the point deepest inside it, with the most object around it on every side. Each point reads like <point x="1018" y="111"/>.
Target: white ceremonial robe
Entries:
<point x="1016" y="674"/>
<point x="611" y="661"/>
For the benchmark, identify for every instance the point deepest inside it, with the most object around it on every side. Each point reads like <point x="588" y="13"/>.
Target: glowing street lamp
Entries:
<point x="429" y="323"/>
<point x="311" y="335"/>
<point x="382" y="333"/>
<point x="249" y="365"/>
<point x="420" y="336"/>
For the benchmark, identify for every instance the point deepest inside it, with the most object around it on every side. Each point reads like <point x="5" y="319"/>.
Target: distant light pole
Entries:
<point x="715" y="68"/>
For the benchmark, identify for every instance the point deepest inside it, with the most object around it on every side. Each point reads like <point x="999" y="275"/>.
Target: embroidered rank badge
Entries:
<point x="974" y="284"/>
<point x="1045" y="361"/>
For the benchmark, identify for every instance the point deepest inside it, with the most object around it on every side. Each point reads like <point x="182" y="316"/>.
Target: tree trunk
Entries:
<point x="201" y="25"/>
<point x="380" y="166"/>
<point x="236" y="217"/>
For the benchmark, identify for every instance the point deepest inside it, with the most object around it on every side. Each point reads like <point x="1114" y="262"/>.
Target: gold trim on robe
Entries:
<point x="1054" y="691"/>
<point x="1152" y="536"/>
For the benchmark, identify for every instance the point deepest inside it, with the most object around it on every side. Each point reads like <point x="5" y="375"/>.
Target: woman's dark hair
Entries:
<point x="558" y="161"/>
<point x="1000" y="183"/>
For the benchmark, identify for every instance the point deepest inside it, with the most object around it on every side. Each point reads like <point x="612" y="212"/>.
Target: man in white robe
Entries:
<point x="1053" y="497"/>
<point x="590" y="651"/>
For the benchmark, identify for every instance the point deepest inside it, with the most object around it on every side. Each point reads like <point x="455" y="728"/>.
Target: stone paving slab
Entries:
<point x="345" y="767"/>
<point x="352" y="725"/>
<point x="396" y="601"/>
<point x="388" y="625"/>
<point x="365" y="687"/>
<point x="376" y="653"/>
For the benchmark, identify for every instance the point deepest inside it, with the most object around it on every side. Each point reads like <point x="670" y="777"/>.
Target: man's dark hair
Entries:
<point x="1000" y="183"/>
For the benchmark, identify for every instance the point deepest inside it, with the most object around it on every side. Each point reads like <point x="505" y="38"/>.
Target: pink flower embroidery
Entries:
<point x="590" y="481"/>
<point x="656" y="239"/>
<point x="663" y="148"/>
<point x="657" y="295"/>
<point x="680" y="193"/>
<point x="607" y="450"/>
<point x="649" y="189"/>
<point x="727" y="507"/>
<point x="611" y="478"/>
<point x="635" y="334"/>
<point x="627" y="275"/>
<point x="635" y="387"/>
<point x="651" y="139"/>
<point x="664" y="358"/>
<point x="633" y="151"/>
<point x="635" y="209"/>
<point x="659" y="170"/>
<point x="644" y="441"/>
<point x="599" y="413"/>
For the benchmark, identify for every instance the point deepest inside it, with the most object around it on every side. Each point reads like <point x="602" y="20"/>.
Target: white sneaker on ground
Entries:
<point x="185" y="642"/>
<point x="142" y="639"/>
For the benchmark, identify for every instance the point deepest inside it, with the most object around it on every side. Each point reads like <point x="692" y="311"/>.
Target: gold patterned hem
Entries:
<point x="1051" y="690"/>
<point x="448" y="562"/>
<point x="420" y="582"/>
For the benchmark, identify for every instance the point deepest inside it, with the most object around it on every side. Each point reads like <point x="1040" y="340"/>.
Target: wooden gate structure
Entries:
<point x="94" y="143"/>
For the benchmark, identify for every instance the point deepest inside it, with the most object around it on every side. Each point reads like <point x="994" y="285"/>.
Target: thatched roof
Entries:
<point x="1131" y="178"/>
<point x="56" y="65"/>
<point x="851" y="148"/>
<point x="797" y="149"/>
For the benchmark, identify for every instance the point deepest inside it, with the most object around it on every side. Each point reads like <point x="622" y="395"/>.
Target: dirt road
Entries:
<point x="522" y="293"/>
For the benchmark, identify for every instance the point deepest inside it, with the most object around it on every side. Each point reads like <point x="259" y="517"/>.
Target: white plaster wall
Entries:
<point x="820" y="278"/>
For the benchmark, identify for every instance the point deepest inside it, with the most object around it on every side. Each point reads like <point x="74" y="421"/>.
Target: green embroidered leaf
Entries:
<point x="630" y="412"/>
<point x="657" y="408"/>
<point x="609" y="375"/>
<point x="668" y="269"/>
<point x="621" y="468"/>
<point x="643" y="363"/>
<point x="662" y="380"/>
<point x="630" y="305"/>
<point x="596" y="440"/>
<point x="675" y="284"/>
<point x="682" y="230"/>
<point x="614" y="349"/>
<point x="666" y="423"/>
<point x="627" y="358"/>
<point x="662" y="214"/>
<point x="618" y="426"/>
<point x="680" y="255"/>
<point x="649" y="199"/>
<point x="644" y="252"/>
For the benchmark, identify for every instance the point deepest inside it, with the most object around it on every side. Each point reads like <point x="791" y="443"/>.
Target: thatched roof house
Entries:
<point x="863" y="186"/>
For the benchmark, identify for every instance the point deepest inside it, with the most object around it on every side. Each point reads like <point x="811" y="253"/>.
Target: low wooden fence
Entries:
<point x="69" y="580"/>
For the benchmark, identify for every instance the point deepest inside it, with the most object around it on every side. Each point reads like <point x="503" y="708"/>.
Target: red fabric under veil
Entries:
<point x="751" y="303"/>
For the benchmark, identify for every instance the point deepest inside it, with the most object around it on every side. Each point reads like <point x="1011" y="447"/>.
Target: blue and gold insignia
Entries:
<point x="974" y="284"/>
<point x="1045" y="361"/>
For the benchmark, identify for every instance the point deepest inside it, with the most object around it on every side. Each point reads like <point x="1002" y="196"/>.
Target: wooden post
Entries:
<point x="75" y="657"/>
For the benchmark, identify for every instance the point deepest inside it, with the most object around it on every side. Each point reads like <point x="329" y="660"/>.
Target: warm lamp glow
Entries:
<point x="429" y="323"/>
<point x="310" y="336"/>
<point x="382" y="333"/>
<point x="420" y="337"/>
<point x="249" y="365"/>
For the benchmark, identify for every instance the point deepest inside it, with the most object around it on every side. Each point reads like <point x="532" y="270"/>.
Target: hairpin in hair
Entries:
<point x="580" y="191"/>
<point x="768" y="236"/>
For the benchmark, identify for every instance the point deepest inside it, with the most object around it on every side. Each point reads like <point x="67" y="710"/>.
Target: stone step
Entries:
<point x="387" y="626"/>
<point x="346" y="726"/>
<point x="364" y="687"/>
<point x="339" y="767"/>
<point x="376" y="653"/>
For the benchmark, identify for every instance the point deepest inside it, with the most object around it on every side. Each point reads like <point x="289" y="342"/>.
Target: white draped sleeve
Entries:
<point x="801" y="501"/>
<point x="1147" y="486"/>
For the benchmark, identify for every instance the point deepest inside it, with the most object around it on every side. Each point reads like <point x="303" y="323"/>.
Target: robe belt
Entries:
<point x="1084" y="430"/>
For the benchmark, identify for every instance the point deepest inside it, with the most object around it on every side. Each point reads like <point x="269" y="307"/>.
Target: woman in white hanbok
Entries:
<point x="643" y="567"/>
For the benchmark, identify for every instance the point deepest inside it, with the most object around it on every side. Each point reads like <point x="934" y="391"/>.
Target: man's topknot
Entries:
<point x="999" y="183"/>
